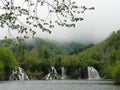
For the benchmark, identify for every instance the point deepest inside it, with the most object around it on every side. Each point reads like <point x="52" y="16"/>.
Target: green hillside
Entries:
<point x="105" y="57"/>
<point x="36" y="56"/>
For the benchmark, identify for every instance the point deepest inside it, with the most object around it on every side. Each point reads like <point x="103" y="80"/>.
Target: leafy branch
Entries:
<point x="25" y="17"/>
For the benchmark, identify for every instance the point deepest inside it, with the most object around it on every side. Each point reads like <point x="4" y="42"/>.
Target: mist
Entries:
<point x="96" y="26"/>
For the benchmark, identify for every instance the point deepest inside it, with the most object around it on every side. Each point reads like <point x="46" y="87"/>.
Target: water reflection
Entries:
<point x="58" y="85"/>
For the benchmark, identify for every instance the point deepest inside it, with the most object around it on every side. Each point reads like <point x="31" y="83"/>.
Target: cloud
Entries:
<point x="98" y="24"/>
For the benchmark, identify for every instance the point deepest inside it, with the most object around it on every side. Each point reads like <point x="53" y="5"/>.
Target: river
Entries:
<point x="58" y="85"/>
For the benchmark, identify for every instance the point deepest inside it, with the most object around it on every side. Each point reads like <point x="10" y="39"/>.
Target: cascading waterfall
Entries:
<point x="79" y="73"/>
<point x="93" y="74"/>
<point x="18" y="74"/>
<point x="63" y="73"/>
<point x="52" y="74"/>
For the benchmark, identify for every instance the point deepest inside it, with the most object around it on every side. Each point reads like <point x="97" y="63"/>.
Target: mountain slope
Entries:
<point x="104" y="56"/>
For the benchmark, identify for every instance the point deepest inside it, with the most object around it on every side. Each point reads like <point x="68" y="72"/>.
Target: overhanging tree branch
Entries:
<point x="65" y="13"/>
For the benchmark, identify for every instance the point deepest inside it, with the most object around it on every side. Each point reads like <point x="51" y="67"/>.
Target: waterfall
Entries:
<point x="18" y="74"/>
<point x="93" y="74"/>
<point x="63" y="73"/>
<point x="52" y="74"/>
<point x="79" y="73"/>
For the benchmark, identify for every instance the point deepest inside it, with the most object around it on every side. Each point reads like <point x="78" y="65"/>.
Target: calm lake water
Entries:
<point x="58" y="85"/>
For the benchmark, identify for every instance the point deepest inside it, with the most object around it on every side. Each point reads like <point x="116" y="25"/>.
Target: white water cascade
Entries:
<point x="63" y="73"/>
<point x="93" y="74"/>
<point x="18" y="74"/>
<point x="52" y="74"/>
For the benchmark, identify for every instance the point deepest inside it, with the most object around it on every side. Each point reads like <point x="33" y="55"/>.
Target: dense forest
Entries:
<point x="36" y="56"/>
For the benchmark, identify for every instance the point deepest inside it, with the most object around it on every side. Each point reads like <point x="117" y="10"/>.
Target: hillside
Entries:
<point x="36" y="56"/>
<point x="105" y="57"/>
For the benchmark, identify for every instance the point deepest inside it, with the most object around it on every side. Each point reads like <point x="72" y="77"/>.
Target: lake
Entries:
<point x="58" y="85"/>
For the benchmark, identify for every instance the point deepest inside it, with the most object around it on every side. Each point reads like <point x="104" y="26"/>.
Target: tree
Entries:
<point x="7" y="63"/>
<point x="24" y="15"/>
<point x="115" y="72"/>
<point x="20" y="49"/>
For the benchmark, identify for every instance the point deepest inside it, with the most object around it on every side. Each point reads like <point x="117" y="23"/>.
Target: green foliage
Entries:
<point x="26" y="19"/>
<point x="107" y="71"/>
<point x="116" y="71"/>
<point x="39" y="56"/>
<point x="1" y="70"/>
<point x="8" y="61"/>
<point x="70" y="61"/>
<point x="102" y="56"/>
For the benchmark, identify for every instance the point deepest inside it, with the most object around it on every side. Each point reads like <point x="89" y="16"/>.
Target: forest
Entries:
<point x="36" y="56"/>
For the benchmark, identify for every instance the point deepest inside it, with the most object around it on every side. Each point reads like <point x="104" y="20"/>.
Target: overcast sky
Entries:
<point x="98" y="24"/>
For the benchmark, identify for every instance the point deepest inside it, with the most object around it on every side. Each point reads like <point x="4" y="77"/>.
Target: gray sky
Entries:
<point x="98" y="24"/>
